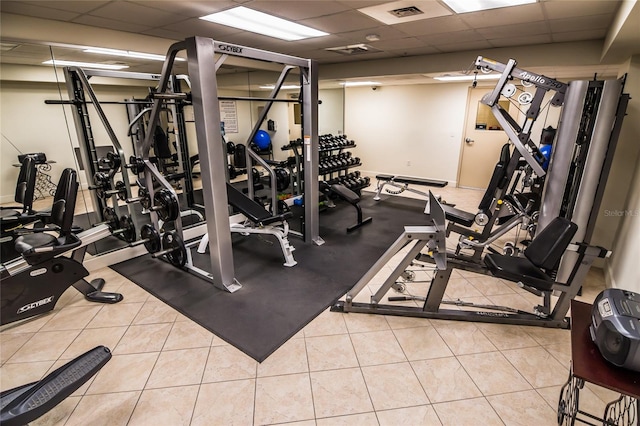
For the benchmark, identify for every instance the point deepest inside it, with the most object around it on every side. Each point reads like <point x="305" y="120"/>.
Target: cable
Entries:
<point x="12" y="144"/>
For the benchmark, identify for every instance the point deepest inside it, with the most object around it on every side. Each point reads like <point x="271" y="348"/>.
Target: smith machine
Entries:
<point x="560" y="255"/>
<point x="157" y="196"/>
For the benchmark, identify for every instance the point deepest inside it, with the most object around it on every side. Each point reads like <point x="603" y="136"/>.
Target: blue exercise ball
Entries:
<point x="262" y="139"/>
<point x="546" y="151"/>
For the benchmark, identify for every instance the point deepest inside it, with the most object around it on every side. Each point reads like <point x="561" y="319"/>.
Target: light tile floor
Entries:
<point x="350" y="369"/>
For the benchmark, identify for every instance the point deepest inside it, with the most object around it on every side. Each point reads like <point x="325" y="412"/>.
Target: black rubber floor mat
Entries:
<point x="276" y="302"/>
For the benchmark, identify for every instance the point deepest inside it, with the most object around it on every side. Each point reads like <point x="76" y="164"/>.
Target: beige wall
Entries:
<point x="618" y="225"/>
<point x="413" y="130"/>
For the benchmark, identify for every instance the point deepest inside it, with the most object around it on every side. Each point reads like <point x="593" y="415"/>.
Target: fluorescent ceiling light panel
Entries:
<point x="60" y="63"/>
<point x="465" y="6"/>
<point x="467" y="77"/>
<point x="257" y="22"/>
<point x="284" y="87"/>
<point x="127" y="53"/>
<point x="359" y="83"/>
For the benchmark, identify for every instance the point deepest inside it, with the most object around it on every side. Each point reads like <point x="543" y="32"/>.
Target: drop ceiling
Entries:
<point x="440" y="31"/>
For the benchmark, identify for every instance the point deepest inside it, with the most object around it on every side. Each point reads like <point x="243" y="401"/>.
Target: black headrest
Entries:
<point x="547" y="248"/>
<point x="64" y="201"/>
<point x="26" y="184"/>
<point x="39" y="157"/>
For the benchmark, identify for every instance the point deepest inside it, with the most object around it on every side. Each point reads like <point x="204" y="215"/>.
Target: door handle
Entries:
<point x="469" y="140"/>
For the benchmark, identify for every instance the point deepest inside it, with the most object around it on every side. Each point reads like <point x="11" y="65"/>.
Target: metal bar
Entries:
<point x="261" y="55"/>
<point x="491" y="99"/>
<point x="257" y="99"/>
<point x="283" y="75"/>
<point x="201" y="63"/>
<point x="513" y="137"/>
<point x="537" y="79"/>
<point x="309" y="93"/>
<point x="561" y="157"/>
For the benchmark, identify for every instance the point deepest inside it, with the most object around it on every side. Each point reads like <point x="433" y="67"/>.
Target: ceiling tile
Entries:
<point x="400" y="44"/>
<point x="71" y="6"/>
<point x="579" y="35"/>
<point x="137" y="14"/>
<point x="415" y="51"/>
<point x="558" y="9"/>
<point x="505" y="31"/>
<point x="444" y="24"/>
<point x="21" y="8"/>
<point x="336" y="23"/>
<point x="521" y="41"/>
<point x="594" y="22"/>
<point x="110" y="24"/>
<point x="385" y="32"/>
<point x="504" y="16"/>
<point x="192" y="9"/>
<point x="168" y="34"/>
<point x="296" y="11"/>
<point x="359" y="4"/>
<point x="461" y="47"/>
<point x="452" y="37"/>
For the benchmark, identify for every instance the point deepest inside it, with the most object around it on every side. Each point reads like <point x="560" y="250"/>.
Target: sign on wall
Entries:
<point x="229" y="116"/>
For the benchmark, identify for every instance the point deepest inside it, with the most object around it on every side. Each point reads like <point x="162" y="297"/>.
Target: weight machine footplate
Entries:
<point x="450" y="314"/>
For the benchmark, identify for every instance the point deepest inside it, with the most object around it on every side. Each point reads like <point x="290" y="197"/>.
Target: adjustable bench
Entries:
<point x="402" y="184"/>
<point x="262" y="220"/>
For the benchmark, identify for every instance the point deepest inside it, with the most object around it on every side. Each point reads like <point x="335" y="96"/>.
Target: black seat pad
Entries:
<point x="38" y="239"/>
<point x="252" y="210"/>
<point x="345" y="193"/>
<point x="411" y="180"/>
<point x="518" y="269"/>
<point x="458" y="216"/>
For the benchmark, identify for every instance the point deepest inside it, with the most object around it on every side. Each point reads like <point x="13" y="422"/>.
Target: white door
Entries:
<point x="483" y="140"/>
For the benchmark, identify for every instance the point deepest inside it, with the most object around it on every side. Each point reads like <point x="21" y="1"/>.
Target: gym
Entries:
<point x="430" y="216"/>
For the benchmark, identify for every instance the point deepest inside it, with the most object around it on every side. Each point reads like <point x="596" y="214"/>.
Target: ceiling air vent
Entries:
<point x="354" y="49"/>
<point x="404" y="12"/>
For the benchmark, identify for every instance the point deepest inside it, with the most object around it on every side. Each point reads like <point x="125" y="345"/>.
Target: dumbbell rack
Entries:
<point x="335" y="163"/>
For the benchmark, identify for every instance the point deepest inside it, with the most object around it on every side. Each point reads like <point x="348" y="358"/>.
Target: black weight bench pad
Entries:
<point x="345" y="193"/>
<point x="414" y="181"/>
<point x="252" y="210"/>
<point x="518" y="269"/>
<point x="458" y="216"/>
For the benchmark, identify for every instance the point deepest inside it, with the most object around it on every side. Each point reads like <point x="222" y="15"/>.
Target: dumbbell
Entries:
<point x="102" y="183"/>
<point x="136" y="165"/>
<point x="120" y="191"/>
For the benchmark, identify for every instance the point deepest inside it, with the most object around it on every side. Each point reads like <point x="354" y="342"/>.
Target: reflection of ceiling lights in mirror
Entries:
<point x="61" y="63"/>
<point x="262" y="23"/>
<point x="359" y="83"/>
<point x="284" y="87"/>
<point x="470" y="77"/>
<point x="127" y="53"/>
<point x="465" y="6"/>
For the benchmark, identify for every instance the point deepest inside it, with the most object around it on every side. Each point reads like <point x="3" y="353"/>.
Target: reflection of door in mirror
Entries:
<point x="295" y="121"/>
<point x="485" y="120"/>
<point x="482" y="143"/>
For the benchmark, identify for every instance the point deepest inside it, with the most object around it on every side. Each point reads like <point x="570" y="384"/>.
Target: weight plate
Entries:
<point x="151" y="238"/>
<point x="128" y="228"/>
<point x="145" y="201"/>
<point x="169" y="206"/>
<point x="178" y="255"/>
<point x="110" y="218"/>
<point x="122" y="190"/>
<point x="282" y="179"/>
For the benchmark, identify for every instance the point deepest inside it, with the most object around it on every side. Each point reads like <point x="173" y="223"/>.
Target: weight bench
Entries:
<point x="262" y="222"/>
<point x="352" y="198"/>
<point x="402" y="184"/>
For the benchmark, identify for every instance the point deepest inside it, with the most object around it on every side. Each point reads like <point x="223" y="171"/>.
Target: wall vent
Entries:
<point x="353" y="49"/>
<point x="404" y="12"/>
